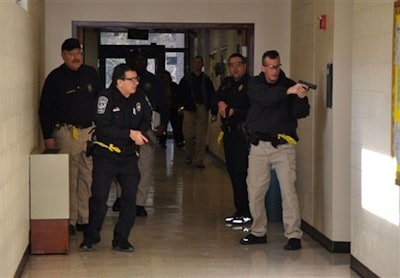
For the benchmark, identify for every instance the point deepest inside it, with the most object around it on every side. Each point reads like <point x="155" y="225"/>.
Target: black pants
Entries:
<point x="176" y="121"/>
<point x="105" y="169"/>
<point x="236" y="157"/>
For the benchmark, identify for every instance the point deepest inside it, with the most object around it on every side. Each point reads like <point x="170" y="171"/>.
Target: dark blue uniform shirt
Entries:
<point x="116" y="115"/>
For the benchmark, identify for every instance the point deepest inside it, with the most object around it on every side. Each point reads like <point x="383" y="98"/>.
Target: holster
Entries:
<point x="89" y="148"/>
<point x="225" y="128"/>
<point x="253" y="139"/>
<point x="89" y="144"/>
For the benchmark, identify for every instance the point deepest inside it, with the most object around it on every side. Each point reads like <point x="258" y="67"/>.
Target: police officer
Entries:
<point x="276" y="102"/>
<point x="233" y="104"/>
<point x="122" y="114"/>
<point x="156" y="93"/>
<point x="66" y="114"/>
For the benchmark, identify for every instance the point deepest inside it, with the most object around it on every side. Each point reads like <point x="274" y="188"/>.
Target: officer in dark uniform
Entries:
<point x="66" y="114"/>
<point x="122" y="114"/>
<point x="276" y="104"/>
<point x="233" y="104"/>
<point x="156" y="93"/>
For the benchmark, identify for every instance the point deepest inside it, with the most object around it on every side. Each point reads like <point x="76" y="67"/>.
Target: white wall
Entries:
<point x="375" y="231"/>
<point x="19" y="72"/>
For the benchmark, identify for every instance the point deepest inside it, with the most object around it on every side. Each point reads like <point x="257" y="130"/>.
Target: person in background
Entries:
<point x="66" y="113"/>
<point x="232" y="105"/>
<point x="195" y="94"/>
<point x="175" y="118"/>
<point x="276" y="103"/>
<point x="122" y="114"/>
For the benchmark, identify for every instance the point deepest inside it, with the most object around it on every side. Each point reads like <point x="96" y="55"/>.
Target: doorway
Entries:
<point x="212" y="41"/>
<point x="112" y="55"/>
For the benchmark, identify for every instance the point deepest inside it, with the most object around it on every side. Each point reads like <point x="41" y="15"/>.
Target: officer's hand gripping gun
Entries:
<point x="150" y="142"/>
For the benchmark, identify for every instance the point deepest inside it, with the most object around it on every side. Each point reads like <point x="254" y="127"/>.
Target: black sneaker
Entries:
<point x="141" y="211"/>
<point x="86" y="245"/>
<point x="293" y="244"/>
<point x="229" y="219"/>
<point x="241" y="220"/>
<point x="71" y="230"/>
<point x="252" y="239"/>
<point x="122" y="245"/>
<point x="116" y="205"/>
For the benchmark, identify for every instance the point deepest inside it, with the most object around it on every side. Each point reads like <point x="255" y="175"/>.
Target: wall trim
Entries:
<point x="22" y="263"/>
<point x="361" y="269"/>
<point x="331" y="246"/>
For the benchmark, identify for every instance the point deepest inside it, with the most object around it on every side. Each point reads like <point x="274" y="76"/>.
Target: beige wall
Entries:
<point x="375" y="207"/>
<point x="324" y="147"/>
<point x="19" y="71"/>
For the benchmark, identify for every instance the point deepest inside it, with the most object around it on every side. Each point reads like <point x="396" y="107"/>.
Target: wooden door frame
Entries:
<point x="171" y="27"/>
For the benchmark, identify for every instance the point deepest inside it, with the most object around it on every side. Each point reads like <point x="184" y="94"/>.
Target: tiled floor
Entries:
<point x="185" y="236"/>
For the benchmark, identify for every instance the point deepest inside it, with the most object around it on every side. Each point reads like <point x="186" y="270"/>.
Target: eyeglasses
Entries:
<point x="235" y="64"/>
<point x="133" y="79"/>
<point x="272" y="67"/>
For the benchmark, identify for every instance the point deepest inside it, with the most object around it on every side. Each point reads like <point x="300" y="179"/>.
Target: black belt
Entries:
<point x="254" y="138"/>
<point x="79" y="126"/>
<point x="264" y="137"/>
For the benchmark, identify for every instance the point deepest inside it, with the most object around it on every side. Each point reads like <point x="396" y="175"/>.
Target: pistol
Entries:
<point x="309" y="85"/>
<point x="151" y="142"/>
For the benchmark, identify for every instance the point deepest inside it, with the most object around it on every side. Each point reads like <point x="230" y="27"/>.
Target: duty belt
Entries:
<point x="110" y="147"/>
<point x="73" y="128"/>
<point x="275" y="140"/>
<point x="78" y="126"/>
<point x="124" y="150"/>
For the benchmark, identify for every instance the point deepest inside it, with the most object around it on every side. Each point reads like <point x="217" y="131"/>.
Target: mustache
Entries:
<point x="76" y="61"/>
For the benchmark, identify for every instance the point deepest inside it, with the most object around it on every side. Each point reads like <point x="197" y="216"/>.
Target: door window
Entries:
<point x="175" y="50"/>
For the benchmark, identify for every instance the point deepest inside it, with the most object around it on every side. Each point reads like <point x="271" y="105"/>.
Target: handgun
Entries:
<point x="150" y="142"/>
<point x="309" y="85"/>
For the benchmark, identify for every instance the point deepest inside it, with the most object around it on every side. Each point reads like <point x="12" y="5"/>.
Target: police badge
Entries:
<point x="102" y="104"/>
<point x="138" y="107"/>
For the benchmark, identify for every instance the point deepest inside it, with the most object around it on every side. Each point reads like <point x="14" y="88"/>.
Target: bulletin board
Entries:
<point x="396" y="89"/>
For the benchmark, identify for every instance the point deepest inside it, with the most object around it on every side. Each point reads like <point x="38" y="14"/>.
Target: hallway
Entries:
<point x="185" y="235"/>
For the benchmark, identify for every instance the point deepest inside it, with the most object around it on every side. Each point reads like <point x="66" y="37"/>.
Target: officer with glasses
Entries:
<point x="233" y="105"/>
<point x="122" y="114"/>
<point x="276" y="103"/>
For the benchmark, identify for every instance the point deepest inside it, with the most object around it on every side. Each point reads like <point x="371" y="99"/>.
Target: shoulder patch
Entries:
<point x="102" y="104"/>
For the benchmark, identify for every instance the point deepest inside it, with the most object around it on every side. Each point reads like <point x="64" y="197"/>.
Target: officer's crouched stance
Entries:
<point x="122" y="112"/>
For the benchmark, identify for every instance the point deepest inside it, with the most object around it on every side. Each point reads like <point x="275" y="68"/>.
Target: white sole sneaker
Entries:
<point x="241" y="220"/>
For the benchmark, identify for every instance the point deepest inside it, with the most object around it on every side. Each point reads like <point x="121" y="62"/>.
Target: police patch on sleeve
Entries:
<point x="102" y="104"/>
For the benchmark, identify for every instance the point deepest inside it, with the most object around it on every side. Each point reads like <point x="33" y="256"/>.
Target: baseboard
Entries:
<point x="22" y="263"/>
<point x="361" y="269"/>
<point x="331" y="246"/>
